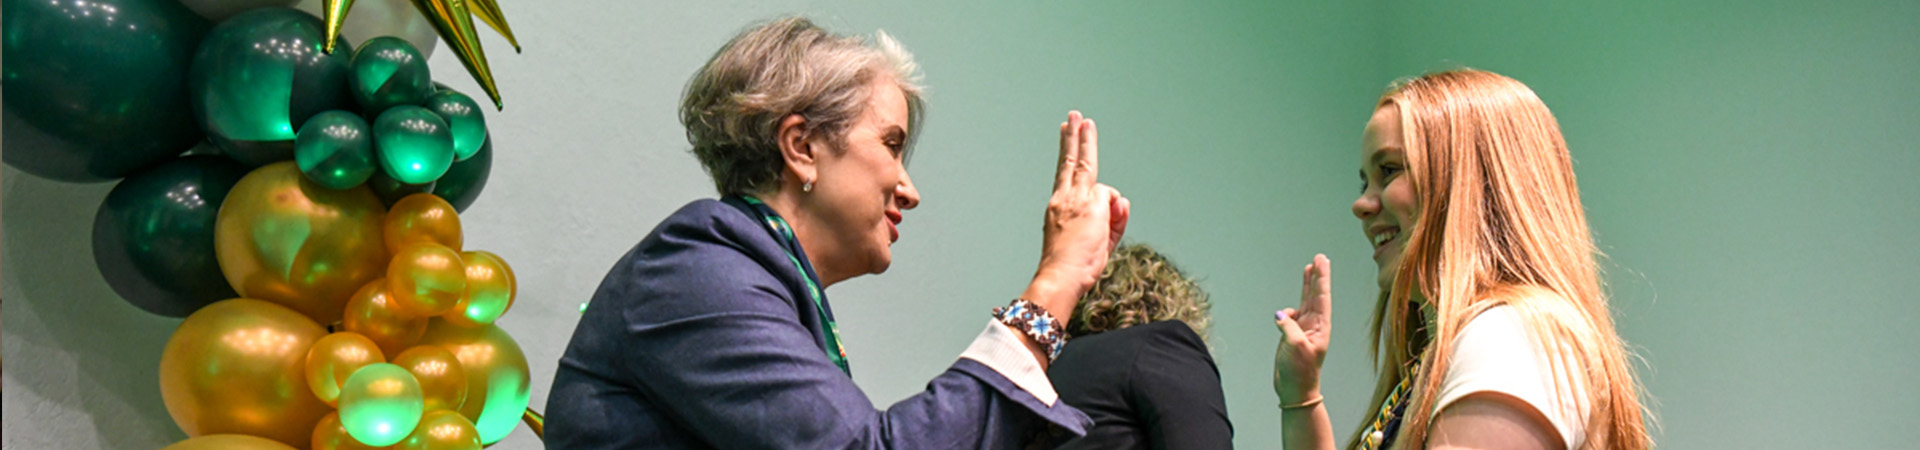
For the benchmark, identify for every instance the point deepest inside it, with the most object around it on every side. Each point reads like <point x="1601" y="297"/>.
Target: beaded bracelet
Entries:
<point x="1036" y="322"/>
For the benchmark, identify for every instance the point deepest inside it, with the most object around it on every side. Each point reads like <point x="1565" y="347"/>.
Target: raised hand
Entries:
<point x="1305" y="334"/>
<point x="1084" y="221"/>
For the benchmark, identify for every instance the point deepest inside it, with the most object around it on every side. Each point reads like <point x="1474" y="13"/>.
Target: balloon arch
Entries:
<point x="295" y="197"/>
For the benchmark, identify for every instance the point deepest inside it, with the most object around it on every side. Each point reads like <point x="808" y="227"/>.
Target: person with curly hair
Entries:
<point x="1138" y="362"/>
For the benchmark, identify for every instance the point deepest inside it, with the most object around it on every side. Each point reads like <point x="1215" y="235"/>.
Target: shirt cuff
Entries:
<point x="999" y="348"/>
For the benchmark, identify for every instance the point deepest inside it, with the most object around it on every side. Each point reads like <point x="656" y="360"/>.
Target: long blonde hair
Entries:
<point x="1500" y="224"/>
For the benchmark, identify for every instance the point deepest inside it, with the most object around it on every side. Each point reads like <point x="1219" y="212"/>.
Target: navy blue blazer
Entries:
<point x="703" y="336"/>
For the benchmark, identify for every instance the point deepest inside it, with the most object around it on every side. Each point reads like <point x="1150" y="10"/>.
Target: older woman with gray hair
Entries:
<point x="715" y="331"/>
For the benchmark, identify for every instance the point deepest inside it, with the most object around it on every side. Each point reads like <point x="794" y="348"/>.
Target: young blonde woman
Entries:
<point x="1492" y="329"/>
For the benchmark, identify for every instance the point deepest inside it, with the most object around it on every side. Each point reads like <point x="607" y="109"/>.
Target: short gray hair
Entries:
<point x="733" y="106"/>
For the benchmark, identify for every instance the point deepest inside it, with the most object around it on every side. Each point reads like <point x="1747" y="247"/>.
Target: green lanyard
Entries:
<point x="835" y="350"/>
<point x="1386" y="424"/>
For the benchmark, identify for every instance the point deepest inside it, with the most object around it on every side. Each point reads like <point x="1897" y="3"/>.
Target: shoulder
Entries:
<point x="1170" y="348"/>
<point x="1173" y="334"/>
<point x="708" y="232"/>
<point x="1167" y="334"/>
<point x="705" y="233"/>
<point x="1497" y="326"/>
<point x="710" y="220"/>
<point x="1096" y="351"/>
<point x="1115" y="353"/>
<point x="705" y="256"/>
<point x="1497" y="352"/>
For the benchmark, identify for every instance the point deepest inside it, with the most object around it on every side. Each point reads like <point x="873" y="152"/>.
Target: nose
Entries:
<point x="905" y="196"/>
<point x="1366" y="206"/>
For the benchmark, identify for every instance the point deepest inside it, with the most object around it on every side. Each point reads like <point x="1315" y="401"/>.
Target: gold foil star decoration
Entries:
<point x="453" y="19"/>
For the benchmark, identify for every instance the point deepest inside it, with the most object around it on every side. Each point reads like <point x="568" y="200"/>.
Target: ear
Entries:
<point x="797" y="149"/>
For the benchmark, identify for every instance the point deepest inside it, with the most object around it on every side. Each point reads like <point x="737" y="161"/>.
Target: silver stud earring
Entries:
<point x="808" y="187"/>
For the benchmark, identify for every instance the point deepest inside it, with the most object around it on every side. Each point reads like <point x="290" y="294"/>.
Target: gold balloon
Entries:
<point x="489" y="11"/>
<point x="334" y="358"/>
<point x="489" y="293"/>
<point x="281" y="238"/>
<point x="442" y="430"/>
<point x="237" y="367"/>
<point x="422" y="217"/>
<point x="426" y="279"/>
<point x="454" y="21"/>
<point x="497" y="393"/>
<point x="442" y="381"/>
<point x="512" y="280"/>
<point x="374" y="314"/>
<point x="228" y="442"/>
<point x="330" y="434"/>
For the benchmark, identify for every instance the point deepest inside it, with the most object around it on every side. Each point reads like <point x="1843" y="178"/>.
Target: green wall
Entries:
<point x="1747" y="166"/>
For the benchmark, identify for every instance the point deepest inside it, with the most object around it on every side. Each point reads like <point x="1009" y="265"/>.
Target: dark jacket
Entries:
<point x="1146" y="386"/>
<point x="703" y="336"/>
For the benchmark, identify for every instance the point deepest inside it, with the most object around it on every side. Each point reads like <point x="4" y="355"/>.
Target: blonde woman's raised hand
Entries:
<point x="1305" y="332"/>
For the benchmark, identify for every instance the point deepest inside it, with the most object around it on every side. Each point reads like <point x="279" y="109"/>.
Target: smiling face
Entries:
<point x="1387" y="207"/>
<point x="862" y="187"/>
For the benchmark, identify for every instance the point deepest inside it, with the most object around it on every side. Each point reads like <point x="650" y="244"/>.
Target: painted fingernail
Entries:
<point x="1280" y="315"/>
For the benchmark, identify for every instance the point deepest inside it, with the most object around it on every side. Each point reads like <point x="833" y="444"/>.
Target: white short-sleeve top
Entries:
<point x="1495" y="353"/>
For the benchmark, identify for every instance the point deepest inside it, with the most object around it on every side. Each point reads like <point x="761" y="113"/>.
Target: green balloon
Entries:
<point x="259" y="75"/>
<point x="96" y="90"/>
<point x="414" y="144"/>
<point x="391" y="191"/>
<point x="153" y="236"/>
<point x="380" y="404"/>
<point x="463" y="117"/>
<point x="335" y="149"/>
<point x="388" y="72"/>
<point x="464" y="181"/>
